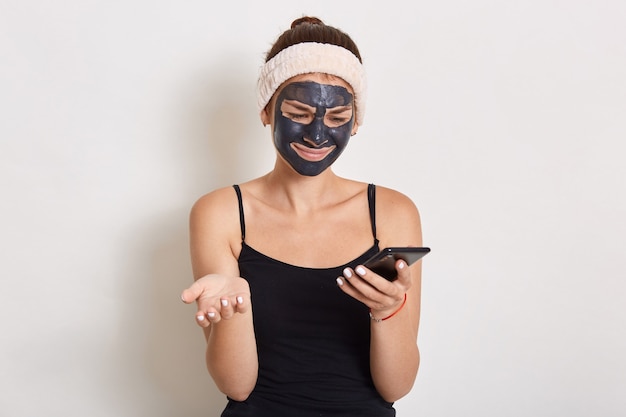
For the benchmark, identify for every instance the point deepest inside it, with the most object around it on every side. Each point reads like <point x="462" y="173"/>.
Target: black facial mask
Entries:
<point x="307" y="139"/>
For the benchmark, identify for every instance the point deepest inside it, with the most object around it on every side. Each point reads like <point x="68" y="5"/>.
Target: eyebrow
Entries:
<point x="339" y="109"/>
<point x="298" y="105"/>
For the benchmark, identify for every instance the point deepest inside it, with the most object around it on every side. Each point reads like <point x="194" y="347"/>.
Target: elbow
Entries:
<point x="237" y="395"/>
<point x="237" y="390"/>
<point x="236" y="386"/>
<point x="393" y="396"/>
<point x="393" y="389"/>
<point x="394" y="393"/>
<point x="236" y="382"/>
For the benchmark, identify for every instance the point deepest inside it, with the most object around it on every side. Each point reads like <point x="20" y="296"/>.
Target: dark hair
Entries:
<point x="312" y="29"/>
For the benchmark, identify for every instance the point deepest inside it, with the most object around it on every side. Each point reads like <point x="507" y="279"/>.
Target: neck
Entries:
<point x="301" y="193"/>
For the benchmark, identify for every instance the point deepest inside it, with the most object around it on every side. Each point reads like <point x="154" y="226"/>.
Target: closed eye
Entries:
<point x="294" y="116"/>
<point x="298" y="112"/>
<point x="338" y="116"/>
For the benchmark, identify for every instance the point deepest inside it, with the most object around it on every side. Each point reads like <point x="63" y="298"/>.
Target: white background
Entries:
<point x="503" y="120"/>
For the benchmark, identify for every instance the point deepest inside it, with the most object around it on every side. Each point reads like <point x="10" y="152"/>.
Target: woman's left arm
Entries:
<point x="394" y="353"/>
<point x="395" y="306"/>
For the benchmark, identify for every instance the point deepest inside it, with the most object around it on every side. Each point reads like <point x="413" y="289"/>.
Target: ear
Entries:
<point x="355" y="128"/>
<point x="265" y="117"/>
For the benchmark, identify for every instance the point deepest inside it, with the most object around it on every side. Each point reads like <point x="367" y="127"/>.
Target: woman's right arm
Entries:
<point x="223" y="298"/>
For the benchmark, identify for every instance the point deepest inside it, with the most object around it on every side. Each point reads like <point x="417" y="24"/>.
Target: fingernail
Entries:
<point x="339" y="282"/>
<point x="200" y="318"/>
<point x="401" y="265"/>
<point x="182" y="298"/>
<point x="211" y="314"/>
<point x="225" y="303"/>
<point x="239" y="300"/>
<point x="347" y="273"/>
<point x="360" y="270"/>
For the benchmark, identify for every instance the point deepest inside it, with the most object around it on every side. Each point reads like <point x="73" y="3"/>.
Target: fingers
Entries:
<point x="372" y="289"/>
<point x="218" y="297"/>
<point x="218" y="309"/>
<point x="204" y="319"/>
<point x="357" y="283"/>
<point x="368" y="279"/>
<point x="226" y="308"/>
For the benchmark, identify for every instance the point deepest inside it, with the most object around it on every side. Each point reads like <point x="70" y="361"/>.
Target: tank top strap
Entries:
<point x="242" y="221"/>
<point x="371" y="201"/>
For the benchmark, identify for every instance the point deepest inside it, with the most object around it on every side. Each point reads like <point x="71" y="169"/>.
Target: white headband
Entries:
<point x="310" y="57"/>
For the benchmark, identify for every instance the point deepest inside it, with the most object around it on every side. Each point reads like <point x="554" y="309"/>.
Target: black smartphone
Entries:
<point x="384" y="262"/>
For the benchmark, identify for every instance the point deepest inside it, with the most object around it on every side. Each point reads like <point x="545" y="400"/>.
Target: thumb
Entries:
<point x="404" y="275"/>
<point x="191" y="294"/>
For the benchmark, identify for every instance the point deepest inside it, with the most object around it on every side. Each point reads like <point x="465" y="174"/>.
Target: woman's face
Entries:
<point x="313" y="121"/>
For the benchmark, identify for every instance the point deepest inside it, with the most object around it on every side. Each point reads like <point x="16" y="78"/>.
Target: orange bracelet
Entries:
<point x="389" y="316"/>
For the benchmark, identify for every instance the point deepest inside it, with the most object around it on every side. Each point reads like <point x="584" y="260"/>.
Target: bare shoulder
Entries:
<point x="218" y="203"/>
<point x="214" y="232"/>
<point x="397" y="218"/>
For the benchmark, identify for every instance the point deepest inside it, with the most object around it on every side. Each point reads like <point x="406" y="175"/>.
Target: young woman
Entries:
<point x="295" y="325"/>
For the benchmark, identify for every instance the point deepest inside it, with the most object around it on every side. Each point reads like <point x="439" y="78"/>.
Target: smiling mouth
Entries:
<point x="311" y="154"/>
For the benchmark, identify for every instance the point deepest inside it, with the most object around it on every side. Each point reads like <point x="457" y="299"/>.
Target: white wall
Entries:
<point x="503" y="120"/>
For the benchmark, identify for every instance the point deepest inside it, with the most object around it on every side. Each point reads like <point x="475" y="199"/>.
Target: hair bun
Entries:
<point x="306" y="19"/>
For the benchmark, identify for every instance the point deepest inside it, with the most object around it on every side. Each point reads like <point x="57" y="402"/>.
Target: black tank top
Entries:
<point x="312" y="339"/>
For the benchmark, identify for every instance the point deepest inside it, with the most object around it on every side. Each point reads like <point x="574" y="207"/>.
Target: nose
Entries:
<point x="314" y="135"/>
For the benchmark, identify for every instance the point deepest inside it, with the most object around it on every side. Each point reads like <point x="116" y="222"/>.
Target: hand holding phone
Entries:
<point x="384" y="262"/>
